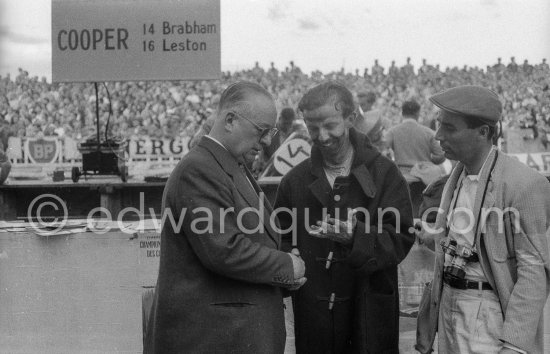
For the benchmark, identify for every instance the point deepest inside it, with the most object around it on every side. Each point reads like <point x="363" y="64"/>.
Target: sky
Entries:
<point x="328" y="35"/>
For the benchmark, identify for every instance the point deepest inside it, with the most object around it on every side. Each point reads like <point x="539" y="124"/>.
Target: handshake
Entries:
<point x="299" y="269"/>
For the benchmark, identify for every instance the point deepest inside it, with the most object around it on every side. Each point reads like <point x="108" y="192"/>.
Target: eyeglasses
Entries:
<point x="270" y="132"/>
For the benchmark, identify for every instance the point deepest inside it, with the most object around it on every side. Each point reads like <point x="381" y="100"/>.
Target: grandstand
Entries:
<point x="32" y="108"/>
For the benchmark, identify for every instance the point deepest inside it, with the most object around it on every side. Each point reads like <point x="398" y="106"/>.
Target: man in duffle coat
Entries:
<point x="350" y="303"/>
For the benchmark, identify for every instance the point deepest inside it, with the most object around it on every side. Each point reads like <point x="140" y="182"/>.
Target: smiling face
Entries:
<point x="329" y="130"/>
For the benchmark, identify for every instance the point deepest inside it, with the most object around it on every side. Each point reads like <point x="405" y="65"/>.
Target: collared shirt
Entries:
<point x="412" y="143"/>
<point x="216" y="141"/>
<point x="333" y="171"/>
<point x="406" y="119"/>
<point x="461" y="220"/>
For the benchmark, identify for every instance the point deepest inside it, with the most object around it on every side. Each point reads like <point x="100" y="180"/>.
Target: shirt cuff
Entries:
<point x="510" y="346"/>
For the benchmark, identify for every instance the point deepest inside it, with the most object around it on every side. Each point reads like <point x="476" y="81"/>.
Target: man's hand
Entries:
<point x="423" y="236"/>
<point x="336" y="230"/>
<point x="299" y="270"/>
<point x="258" y="165"/>
<point x="298" y="284"/>
<point x="298" y="265"/>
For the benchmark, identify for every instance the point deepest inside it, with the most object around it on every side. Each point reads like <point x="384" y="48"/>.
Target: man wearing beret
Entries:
<point x="491" y="277"/>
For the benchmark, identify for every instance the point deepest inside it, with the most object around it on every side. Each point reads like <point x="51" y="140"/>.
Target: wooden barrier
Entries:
<point x="76" y="293"/>
<point x="81" y="198"/>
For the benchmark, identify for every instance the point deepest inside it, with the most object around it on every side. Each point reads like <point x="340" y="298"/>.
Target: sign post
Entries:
<point x="135" y="40"/>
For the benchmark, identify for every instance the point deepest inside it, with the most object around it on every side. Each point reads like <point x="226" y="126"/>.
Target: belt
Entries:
<point x="464" y="284"/>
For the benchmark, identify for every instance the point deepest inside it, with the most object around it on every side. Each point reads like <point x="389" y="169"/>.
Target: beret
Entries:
<point x="474" y="101"/>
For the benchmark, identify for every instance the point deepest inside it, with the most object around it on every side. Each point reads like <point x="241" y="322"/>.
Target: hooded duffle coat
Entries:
<point x="361" y="279"/>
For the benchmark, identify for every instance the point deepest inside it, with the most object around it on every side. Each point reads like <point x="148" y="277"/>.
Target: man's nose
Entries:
<point x="323" y="135"/>
<point x="438" y="135"/>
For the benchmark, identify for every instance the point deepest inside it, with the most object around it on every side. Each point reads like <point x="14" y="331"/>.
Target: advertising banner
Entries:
<point x="539" y="161"/>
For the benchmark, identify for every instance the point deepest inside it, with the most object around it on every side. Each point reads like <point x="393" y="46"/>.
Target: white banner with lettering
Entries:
<point x="162" y="154"/>
<point x="539" y="161"/>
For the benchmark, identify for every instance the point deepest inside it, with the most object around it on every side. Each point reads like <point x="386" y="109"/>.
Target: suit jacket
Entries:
<point x="218" y="284"/>
<point x="512" y="247"/>
<point x="363" y="276"/>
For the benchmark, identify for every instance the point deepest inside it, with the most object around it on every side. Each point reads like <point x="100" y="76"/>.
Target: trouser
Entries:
<point x="470" y="321"/>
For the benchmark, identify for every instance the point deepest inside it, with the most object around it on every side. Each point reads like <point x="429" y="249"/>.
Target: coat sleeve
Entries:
<point x="210" y="222"/>
<point x="386" y="240"/>
<point x="530" y="291"/>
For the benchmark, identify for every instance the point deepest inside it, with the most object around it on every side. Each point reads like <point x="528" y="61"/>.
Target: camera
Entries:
<point x="461" y="255"/>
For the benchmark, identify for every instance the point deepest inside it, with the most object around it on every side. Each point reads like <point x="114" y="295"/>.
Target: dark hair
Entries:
<point x="473" y="122"/>
<point x="371" y="96"/>
<point x="287" y="114"/>
<point x="410" y="108"/>
<point x="238" y="92"/>
<point x="326" y="92"/>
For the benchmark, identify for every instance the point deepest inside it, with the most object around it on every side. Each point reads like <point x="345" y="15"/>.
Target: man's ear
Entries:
<point x="350" y="119"/>
<point x="229" y="119"/>
<point x="484" y="131"/>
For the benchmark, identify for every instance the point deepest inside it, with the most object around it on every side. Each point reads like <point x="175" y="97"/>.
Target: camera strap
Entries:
<point x="485" y="187"/>
<point x="485" y="192"/>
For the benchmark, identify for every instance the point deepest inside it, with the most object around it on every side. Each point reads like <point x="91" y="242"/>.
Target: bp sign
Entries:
<point x="44" y="150"/>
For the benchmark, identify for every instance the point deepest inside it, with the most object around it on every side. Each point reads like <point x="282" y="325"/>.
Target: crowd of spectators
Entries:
<point x="31" y="107"/>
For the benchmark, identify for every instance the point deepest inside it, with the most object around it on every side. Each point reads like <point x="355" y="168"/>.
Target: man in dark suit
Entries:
<point x="221" y="270"/>
<point x="350" y="303"/>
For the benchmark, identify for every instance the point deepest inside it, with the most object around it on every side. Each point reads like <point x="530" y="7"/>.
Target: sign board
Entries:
<point x="149" y="256"/>
<point x="539" y="161"/>
<point x="133" y="40"/>
<point x="144" y="147"/>
<point x="42" y="150"/>
<point x="295" y="149"/>
<point x="290" y="154"/>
